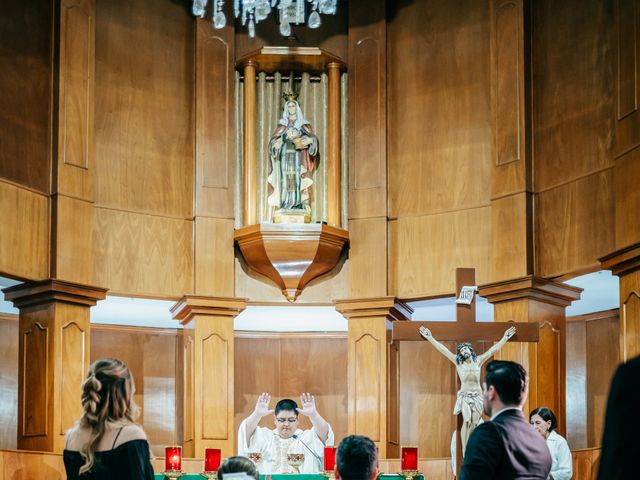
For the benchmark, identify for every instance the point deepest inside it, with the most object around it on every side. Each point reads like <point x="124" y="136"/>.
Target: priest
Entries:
<point x="270" y="448"/>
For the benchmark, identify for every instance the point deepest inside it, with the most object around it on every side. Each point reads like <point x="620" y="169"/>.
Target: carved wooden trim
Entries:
<point x="66" y="378"/>
<point x="30" y="294"/>
<point x="367" y="386"/>
<point x="38" y="396"/>
<point x="188" y="393"/>
<point x="634" y="297"/>
<point x="216" y="368"/>
<point x="531" y="287"/>
<point x="622" y="261"/>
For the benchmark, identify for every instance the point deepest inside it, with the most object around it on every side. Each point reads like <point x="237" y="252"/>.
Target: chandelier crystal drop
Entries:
<point x="250" y="12"/>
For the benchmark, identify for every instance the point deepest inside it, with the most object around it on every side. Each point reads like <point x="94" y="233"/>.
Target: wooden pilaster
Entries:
<point x="208" y="372"/>
<point x="53" y="358"/>
<point x="373" y="370"/>
<point x="625" y="263"/>
<point x="536" y="299"/>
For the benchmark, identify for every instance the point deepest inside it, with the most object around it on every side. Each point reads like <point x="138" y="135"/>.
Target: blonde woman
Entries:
<point x="106" y="443"/>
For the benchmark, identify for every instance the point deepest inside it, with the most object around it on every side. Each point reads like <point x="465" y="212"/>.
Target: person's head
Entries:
<point x="107" y="396"/>
<point x="543" y="420"/>
<point x="505" y="385"/>
<point x="465" y="351"/>
<point x="356" y="459"/>
<point x="237" y="465"/>
<point x="286" y="413"/>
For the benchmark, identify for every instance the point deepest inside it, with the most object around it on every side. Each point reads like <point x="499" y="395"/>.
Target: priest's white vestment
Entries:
<point x="275" y="449"/>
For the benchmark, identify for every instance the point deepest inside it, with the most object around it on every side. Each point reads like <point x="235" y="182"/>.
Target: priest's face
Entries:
<point x="286" y="423"/>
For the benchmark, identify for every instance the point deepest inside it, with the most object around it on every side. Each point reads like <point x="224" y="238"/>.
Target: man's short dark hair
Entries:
<point x="356" y="458"/>
<point x="238" y="465"/>
<point x="509" y="379"/>
<point x="286" y="404"/>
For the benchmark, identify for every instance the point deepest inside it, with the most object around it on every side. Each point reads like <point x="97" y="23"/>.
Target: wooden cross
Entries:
<point x="465" y="329"/>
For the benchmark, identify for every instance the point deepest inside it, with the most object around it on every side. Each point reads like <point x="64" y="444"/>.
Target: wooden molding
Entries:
<point x="622" y="261"/>
<point x="389" y="307"/>
<point x="30" y="294"/>
<point x="290" y="59"/>
<point x="291" y="255"/>
<point x="191" y="305"/>
<point x="590" y="317"/>
<point x="530" y="287"/>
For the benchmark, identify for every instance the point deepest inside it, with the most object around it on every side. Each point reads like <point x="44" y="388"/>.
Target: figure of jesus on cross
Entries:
<point x="468" y="365"/>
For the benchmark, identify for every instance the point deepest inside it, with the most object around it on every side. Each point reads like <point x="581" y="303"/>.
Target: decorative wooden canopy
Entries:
<point x="291" y="255"/>
<point x="290" y="59"/>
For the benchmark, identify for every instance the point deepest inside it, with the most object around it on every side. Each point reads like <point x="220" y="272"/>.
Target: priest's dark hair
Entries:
<point x="238" y="464"/>
<point x="286" y="404"/>
<point x="509" y="379"/>
<point x="547" y="415"/>
<point x="356" y="458"/>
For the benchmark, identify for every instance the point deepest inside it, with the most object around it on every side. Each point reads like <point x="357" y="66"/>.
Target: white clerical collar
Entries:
<point x="504" y="410"/>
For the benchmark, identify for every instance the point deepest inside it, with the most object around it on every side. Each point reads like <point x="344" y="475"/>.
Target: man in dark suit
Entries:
<point x="356" y="459"/>
<point x="506" y="447"/>
<point x="620" y="445"/>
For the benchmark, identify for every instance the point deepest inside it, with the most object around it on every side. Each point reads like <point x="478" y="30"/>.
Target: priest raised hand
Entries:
<point x="271" y="447"/>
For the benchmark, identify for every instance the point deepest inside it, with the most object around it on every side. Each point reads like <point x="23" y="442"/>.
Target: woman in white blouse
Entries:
<point x="544" y="421"/>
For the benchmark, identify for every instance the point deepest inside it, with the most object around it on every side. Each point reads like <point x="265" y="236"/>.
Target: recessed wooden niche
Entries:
<point x="291" y="254"/>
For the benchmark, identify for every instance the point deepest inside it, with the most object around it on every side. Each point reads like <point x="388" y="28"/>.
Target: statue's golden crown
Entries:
<point x="287" y="96"/>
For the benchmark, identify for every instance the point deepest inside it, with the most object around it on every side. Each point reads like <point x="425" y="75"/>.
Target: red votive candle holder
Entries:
<point x="211" y="459"/>
<point x="173" y="458"/>
<point x="409" y="458"/>
<point x="329" y="459"/>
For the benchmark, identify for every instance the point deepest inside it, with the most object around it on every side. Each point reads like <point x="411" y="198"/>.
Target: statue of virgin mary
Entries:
<point x="293" y="152"/>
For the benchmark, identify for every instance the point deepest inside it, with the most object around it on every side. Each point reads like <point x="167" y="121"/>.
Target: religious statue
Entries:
<point x="469" y="400"/>
<point x="293" y="152"/>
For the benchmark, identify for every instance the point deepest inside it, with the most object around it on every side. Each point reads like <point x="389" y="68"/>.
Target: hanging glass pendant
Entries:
<point x="314" y="20"/>
<point x="219" y="20"/>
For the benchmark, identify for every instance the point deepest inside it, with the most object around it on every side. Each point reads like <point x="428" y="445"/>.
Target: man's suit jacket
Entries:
<point x="506" y="447"/>
<point x="620" y="442"/>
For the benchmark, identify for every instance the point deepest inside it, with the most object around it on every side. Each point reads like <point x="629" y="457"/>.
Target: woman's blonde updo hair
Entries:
<point x="107" y="396"/>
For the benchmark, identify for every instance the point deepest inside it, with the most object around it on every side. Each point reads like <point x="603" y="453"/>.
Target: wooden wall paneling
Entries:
<point x="626" y="39"/>
<point x="574" y="224"/>
<point x="26" y="66"/>
<point x="424" y="251"/>
<point x="367" y="257"/>
<point x="143" y="254"/>
<point x="630" y="328"/>
<point x="427" y="397"/>
<point x="75" y="115"/>
<point x="72" y="239"/>
<point x="511" y="236"/>
<point x="150" y="355"/>
<point x="214" y="256"/>
<point x="22" y="464"/>
<point x="215" y="120"/>
<point x="602" y="359"/>
<point x="9" y="340"/>
<point x="74" y="363"/>
<point x="573" y="62"/>
<point x="576" y="384"/>
<point x="586" y="463"/>
<point x="627" y="199"/>
<point x="144" y="107"/>
<point x="188" y="405"/>
<point x="367" y="110"/>
<point x="439" y="103"/>
<point x="24" y="216"/>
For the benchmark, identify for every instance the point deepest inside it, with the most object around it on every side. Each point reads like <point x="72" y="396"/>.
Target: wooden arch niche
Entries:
<point x="292" y="252"/>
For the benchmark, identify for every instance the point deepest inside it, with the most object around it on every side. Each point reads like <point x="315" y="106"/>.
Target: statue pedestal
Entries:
<point x="291" y="254"/>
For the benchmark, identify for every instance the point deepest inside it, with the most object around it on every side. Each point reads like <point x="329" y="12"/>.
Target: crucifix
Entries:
<point x="465" y="329"/>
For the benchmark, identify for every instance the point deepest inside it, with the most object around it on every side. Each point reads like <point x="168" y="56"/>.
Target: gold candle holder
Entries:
<point x="328" y="474"/>
<point x="409" y="474"/>
<point x="210" y="475"/>
<point x="171" y="474"/>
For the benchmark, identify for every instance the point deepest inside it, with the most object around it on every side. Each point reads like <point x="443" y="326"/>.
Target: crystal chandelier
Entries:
<point x="253" y="11"/>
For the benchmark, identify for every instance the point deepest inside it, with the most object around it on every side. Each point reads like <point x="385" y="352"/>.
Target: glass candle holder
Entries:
<point x="211" y="459"/>
<point x="173" y="459"/>
<point x="409" y="458"/>
<point x="329" y="459"/>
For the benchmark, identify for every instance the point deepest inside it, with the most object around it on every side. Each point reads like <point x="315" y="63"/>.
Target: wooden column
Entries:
<point x="373" y="370"/>
<point x="208" y="372"/>
<point x="536" y="299"/>
<point x="53" y="358"/>
<point x="334" y="158"/>
<point x="249" y="143"/>
<point x="625" y="263"/>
